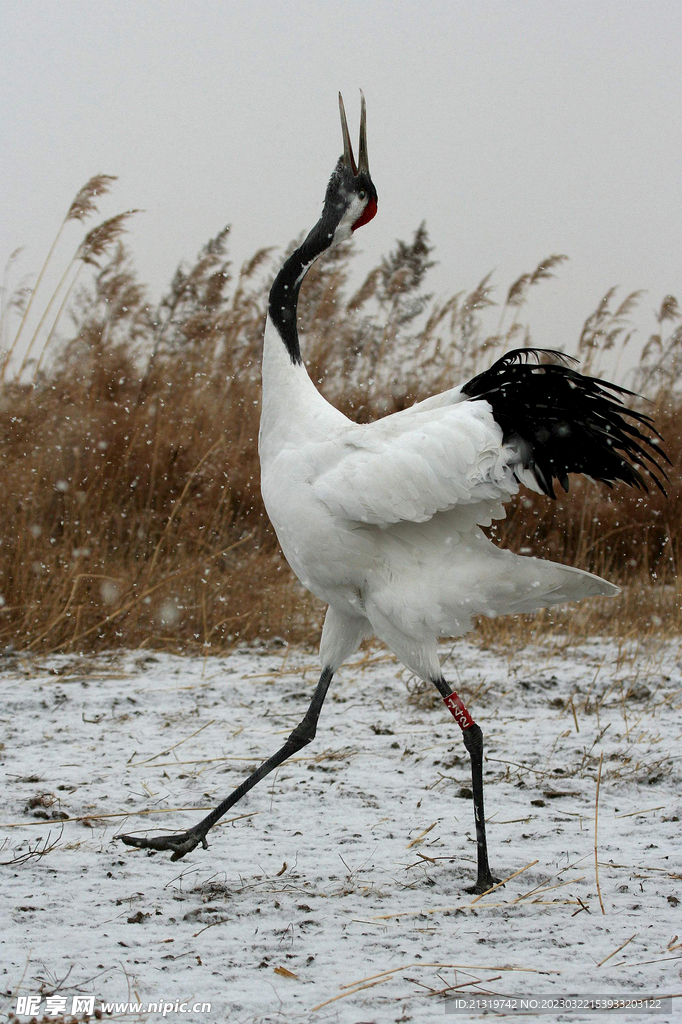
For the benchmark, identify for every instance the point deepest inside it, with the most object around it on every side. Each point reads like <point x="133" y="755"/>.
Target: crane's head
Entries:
<point x="350" y="202"/>
<point x="351" y="198"/>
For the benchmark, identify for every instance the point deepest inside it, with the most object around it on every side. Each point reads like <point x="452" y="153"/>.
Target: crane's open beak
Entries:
<point x="362" y="165"/>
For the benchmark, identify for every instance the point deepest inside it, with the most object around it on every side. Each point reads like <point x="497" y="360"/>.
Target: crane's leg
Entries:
<point x="304" y="732"/>
<point x="473" y="741"/>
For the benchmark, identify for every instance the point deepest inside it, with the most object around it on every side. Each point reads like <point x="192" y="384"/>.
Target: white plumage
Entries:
<point x="382" y="521"/>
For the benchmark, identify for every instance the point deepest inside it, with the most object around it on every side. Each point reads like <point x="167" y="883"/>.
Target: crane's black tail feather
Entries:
<point x="568" y="422"/>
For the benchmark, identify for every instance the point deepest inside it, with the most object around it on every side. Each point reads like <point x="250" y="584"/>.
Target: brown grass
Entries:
<point x="130" y="510"/>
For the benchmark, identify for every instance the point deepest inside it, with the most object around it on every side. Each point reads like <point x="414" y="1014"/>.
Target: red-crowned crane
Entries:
<point x="382" y="521"/>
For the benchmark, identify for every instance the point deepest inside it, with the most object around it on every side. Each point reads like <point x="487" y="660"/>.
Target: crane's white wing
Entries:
<point x="415" y="463"/>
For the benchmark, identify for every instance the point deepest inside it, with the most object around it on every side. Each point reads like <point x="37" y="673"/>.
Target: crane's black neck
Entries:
<point x="343" y="185"/>
<point x="287" y="284"/>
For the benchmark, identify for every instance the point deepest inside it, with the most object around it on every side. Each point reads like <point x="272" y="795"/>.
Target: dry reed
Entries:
<point x="130" y="509"/>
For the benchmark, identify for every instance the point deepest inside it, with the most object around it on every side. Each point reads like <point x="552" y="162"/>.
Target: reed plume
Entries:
<point x="81" y="207"/>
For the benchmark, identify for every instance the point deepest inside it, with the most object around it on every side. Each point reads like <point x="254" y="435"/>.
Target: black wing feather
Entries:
<point x="568" y="422"/>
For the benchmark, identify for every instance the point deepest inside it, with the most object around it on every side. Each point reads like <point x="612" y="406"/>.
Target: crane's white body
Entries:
<point x="382" y="520"/>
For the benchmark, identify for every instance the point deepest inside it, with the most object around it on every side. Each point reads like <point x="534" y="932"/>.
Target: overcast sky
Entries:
<point x="514" y="128"/>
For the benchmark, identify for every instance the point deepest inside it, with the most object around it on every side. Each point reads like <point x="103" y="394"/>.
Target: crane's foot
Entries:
<point x="180" y="844"/>
<point x="483" y="883"/>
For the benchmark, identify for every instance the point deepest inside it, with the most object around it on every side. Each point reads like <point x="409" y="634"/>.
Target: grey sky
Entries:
<point x="515" y="129"/>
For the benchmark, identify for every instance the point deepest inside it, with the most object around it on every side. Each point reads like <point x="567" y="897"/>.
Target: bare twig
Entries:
<point x="596" y="824"/>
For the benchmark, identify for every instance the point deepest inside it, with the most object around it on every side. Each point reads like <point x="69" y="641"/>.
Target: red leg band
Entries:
<point x="456" y="708"/>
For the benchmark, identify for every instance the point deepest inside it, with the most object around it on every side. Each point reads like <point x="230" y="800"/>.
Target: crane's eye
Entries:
<point x="362" y="194"/>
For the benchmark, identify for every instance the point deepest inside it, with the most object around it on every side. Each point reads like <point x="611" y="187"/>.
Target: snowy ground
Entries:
<point x="339" y="895"/>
